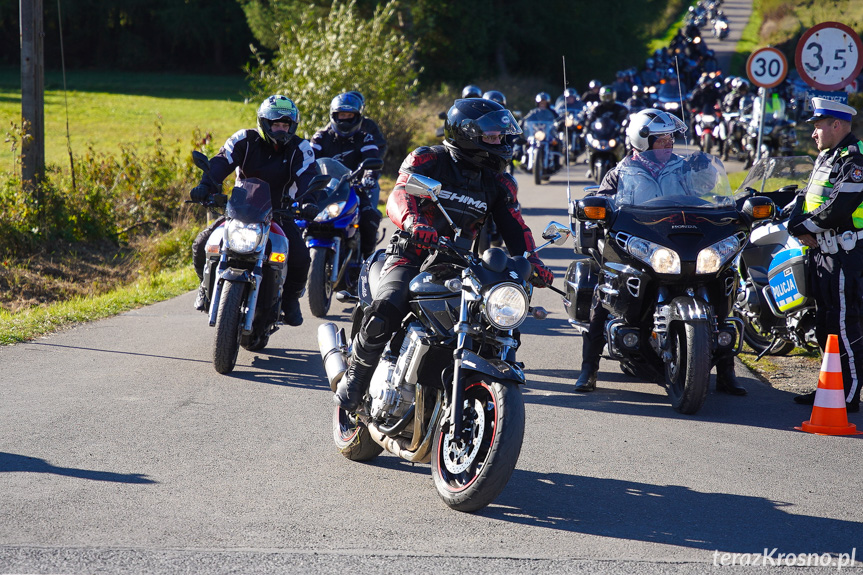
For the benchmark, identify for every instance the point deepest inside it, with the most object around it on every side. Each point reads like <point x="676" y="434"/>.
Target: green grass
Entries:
<point x="106" y="110"/>
<point x="36" y="321"/>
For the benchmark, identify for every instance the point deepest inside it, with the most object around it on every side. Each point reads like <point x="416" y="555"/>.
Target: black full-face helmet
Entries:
<point x="495" y="96"/>
<point x="468" y="120"/>
<point x="346" y="102"/>
<point x="606" y="95"/>
<point x="277" y="108"/>
<point x="471" y="91"/>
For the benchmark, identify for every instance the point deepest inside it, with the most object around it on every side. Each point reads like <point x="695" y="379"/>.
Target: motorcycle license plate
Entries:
<point x="785" y="291"/>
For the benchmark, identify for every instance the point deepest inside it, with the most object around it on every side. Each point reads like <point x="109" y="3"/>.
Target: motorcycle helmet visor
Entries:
<point x="498" y="123"/>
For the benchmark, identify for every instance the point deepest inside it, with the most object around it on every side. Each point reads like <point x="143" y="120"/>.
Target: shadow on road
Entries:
<point x="11" y="462"/>
<point x="669" y="514"/>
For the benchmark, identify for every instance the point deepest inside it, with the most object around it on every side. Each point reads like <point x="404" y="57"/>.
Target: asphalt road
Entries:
<point x="122" y="451"/>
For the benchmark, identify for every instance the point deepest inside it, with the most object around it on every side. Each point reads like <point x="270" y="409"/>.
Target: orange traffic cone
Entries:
<point x="829" y="416"/>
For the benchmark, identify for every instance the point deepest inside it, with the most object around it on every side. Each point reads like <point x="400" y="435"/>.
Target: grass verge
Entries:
<point x="36" y="321"/>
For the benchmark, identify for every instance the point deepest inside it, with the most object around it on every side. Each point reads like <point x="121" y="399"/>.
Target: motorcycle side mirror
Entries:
<point x="201" y="161"/>
<point x="442" y="116"/>
<point x="759" y="208"/>
<point x="593" y="209"/>
<point x="423" y="187"/>
<point x="789" y="188"/>
<point x="556" y="233"/>
<point x="371" y="164"/>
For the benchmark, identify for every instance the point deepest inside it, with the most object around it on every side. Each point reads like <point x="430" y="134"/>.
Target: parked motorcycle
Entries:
<point x="605" y="146"/>
<point x="245" y="269"/>
<point x="661" y="261"/>
<point x="446" y="389"/>
<point x="333" y="235"/>
<point x="774" y="296"/>
<point x="540" y="155"/>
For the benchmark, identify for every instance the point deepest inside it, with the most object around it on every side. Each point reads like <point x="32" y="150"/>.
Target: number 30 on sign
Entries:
<point x="767" y="67"/>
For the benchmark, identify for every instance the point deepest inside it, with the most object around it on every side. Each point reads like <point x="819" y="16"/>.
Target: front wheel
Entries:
<point x="320" y="286"/>
<point x="352" y="437"/>
<point x="760" y="340"/>
<point x="227" y="342"/>
<point x="688" y="372"/>
<point x="538" y="161"/>
<point x="602" y="167"/>
<point x="707" y="142"/>
<point x="469" y="473"/>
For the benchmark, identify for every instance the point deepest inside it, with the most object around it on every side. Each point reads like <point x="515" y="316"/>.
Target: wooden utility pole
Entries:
<point x="32" y="93"/>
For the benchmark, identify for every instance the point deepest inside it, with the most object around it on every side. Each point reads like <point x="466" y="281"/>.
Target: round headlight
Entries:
<point x="330" y="212"/>
<point x="243" y="238"/>
<point x="506" y="306"/>
<point x="539" y="135"/>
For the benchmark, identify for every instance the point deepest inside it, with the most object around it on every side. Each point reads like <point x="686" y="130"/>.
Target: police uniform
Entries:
<point x="832" y="212"/>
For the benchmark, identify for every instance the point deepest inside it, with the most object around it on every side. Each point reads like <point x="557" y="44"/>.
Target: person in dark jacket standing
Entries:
<point x="829" y="221"/>
<point x="471" y="165"/>
<point x="276" y="155"/>
<point x="344" y="140"/>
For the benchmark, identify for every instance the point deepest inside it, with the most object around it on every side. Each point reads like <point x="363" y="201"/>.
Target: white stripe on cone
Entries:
<point x="830" y="398"/>
<point x="831" y="363"/>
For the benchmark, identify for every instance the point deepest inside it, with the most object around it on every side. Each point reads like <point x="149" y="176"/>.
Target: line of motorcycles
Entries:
<point x="664" y="260"/>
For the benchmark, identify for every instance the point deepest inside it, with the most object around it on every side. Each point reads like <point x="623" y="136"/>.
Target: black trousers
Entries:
<point x="837" y="283"/>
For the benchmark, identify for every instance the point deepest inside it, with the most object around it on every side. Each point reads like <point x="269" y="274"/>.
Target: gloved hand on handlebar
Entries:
<point x="698" y="162"/>
<point x="423" y="236"/>
<point x="542" y="276"/>
<point x="368" y="182"/>
<point x="309" y="211"/>
<point x="201" y="192"/>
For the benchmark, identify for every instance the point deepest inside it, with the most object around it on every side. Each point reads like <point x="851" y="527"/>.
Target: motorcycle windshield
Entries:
<point x="338" y="187"/>
<point x="664" y="179"/>
<point x="770" y="174"/>
<point x="250" y="201"/>
<point x="605" y="128"/>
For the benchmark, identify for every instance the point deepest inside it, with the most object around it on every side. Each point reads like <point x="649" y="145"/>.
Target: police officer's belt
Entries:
<point x="830" y="241"/>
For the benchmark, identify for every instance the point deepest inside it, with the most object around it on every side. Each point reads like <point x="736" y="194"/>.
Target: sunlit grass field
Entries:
<point x="107" y="110"/>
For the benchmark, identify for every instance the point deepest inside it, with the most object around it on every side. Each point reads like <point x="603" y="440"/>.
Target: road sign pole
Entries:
<point x="761" y="125"/>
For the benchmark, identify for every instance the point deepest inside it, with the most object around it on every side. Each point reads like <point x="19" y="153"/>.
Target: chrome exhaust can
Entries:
<point x="331" y="341"/>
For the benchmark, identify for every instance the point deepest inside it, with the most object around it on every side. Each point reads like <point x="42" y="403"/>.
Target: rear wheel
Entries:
<point x="759" y="340"/>
<point x="707" y="142"/>
<point x="227" y="342"/>
<point x="352" y="437"/>
<point x="320" y="286"/>
<point x="600" y="170"/>
<point x="688" y="372"/>
<point x="469" y="473"/>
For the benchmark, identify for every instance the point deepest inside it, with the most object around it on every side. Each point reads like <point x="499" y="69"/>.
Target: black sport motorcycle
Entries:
<point x="661" y="261"/>
<point x="773" y="299"/>
<point x="446" y="389"/>
<point x="245" y="269"/>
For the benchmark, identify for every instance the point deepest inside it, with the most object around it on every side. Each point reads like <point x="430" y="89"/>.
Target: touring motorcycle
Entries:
<point x="245" y="269"/>
<point x="660" y="260"/>
<point x="774" y="296"/>
<point x="333" y="235"/>
<point x="540" y="149"/>
<point x="446" y="389"/>
<point x="605" y="144"/>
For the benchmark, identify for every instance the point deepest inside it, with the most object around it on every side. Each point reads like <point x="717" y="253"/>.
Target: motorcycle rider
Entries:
<point x="650" y="130"/>
<point x="471" y="166"/>
<point x="542" y="113"/>
<point x="343" y="140"/>
<point x="829" y="221"/>
<point x="471" y="91"/>
<point x="607" y="104"/>
<point x="495" y="96"/>
<point x="638" y="101"/>
<point x="592" y="92"/>
<point x="276" y="155"/>
<point x="369" y="126"/>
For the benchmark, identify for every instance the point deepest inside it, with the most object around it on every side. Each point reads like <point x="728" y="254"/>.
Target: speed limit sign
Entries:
<point x="828" y="56"/>
<point x="767" y="67"/>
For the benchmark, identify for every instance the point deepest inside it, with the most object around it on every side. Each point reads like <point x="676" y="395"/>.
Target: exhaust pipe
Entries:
<point x="331" y="341"/>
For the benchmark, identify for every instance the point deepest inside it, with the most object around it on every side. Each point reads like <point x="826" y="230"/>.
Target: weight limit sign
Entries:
<point x="828" y="56"/>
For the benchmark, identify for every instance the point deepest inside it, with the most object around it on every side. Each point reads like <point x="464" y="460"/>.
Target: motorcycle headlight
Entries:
<point x="331" y="211"/>
<point x="671" y="105"/>
<point x="711" y="258"/>
<point x="506" y="306"/>
<point x="243" y="238"/>
<point x="612" y="142"/>
<point x="570" y="121"/>
<point x="539" y="135"/>
<point x="660" y="258"/>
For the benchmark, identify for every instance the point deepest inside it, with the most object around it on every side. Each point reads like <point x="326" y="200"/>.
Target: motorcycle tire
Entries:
<point x="602" y="167"/>
<point x="320" y="286"/>
<point x="687" y="375"/>
<point x="352" y="437"/>
<point x="758" y="342"/>
<point x="537" y="167"/>
<point x="226" y="344"/>
<point x="707" y="143"/>
<point x="471" y="472"/>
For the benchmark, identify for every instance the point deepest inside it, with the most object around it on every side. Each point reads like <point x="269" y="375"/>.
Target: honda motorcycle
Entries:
<point x="774" y="298"/>
<point x="661" y="261"/>
<point x="540" y="155"/>
<point x="245" y="269"/>
<point x="446" y="389"/>
<point x="333" y="235"/>
<point x="605" y="144"/>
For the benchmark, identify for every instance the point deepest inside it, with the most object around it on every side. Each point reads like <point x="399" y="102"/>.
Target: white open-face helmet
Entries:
<point x="650" y="123"/>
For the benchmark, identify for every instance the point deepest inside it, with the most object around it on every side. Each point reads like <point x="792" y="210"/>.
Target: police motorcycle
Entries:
<point x="333" y="236"/>
<point x="245" y="269"/>
<point x="606" y="145"/>
<point x="446" y="390"/>
<point x="661" y="261"/>
<point x="773" y="298"/>
<point x="540" y="143"/>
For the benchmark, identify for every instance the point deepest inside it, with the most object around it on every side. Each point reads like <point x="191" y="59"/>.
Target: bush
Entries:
<point x="319" y="59"/>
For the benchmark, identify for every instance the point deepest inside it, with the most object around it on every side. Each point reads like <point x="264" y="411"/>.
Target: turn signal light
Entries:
<point x="762" y="212"/>
<point x="594" y="212"/>
<point x="277" y="257"/>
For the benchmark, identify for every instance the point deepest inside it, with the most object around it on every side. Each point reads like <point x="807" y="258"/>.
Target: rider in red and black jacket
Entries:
<point x="470" y="165"/>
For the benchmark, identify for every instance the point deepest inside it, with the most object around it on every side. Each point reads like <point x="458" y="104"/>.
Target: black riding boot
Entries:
<point x="591" y="351"/>
<point x="355" y="383"/>
<point x="726" y="382"/>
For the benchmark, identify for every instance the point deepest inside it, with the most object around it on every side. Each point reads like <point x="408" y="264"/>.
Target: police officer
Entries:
<point x="276" y="155"/>
<point x="829" y="221"/>
<point x="344" y="140"/>
<point x="471" y="165"/>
